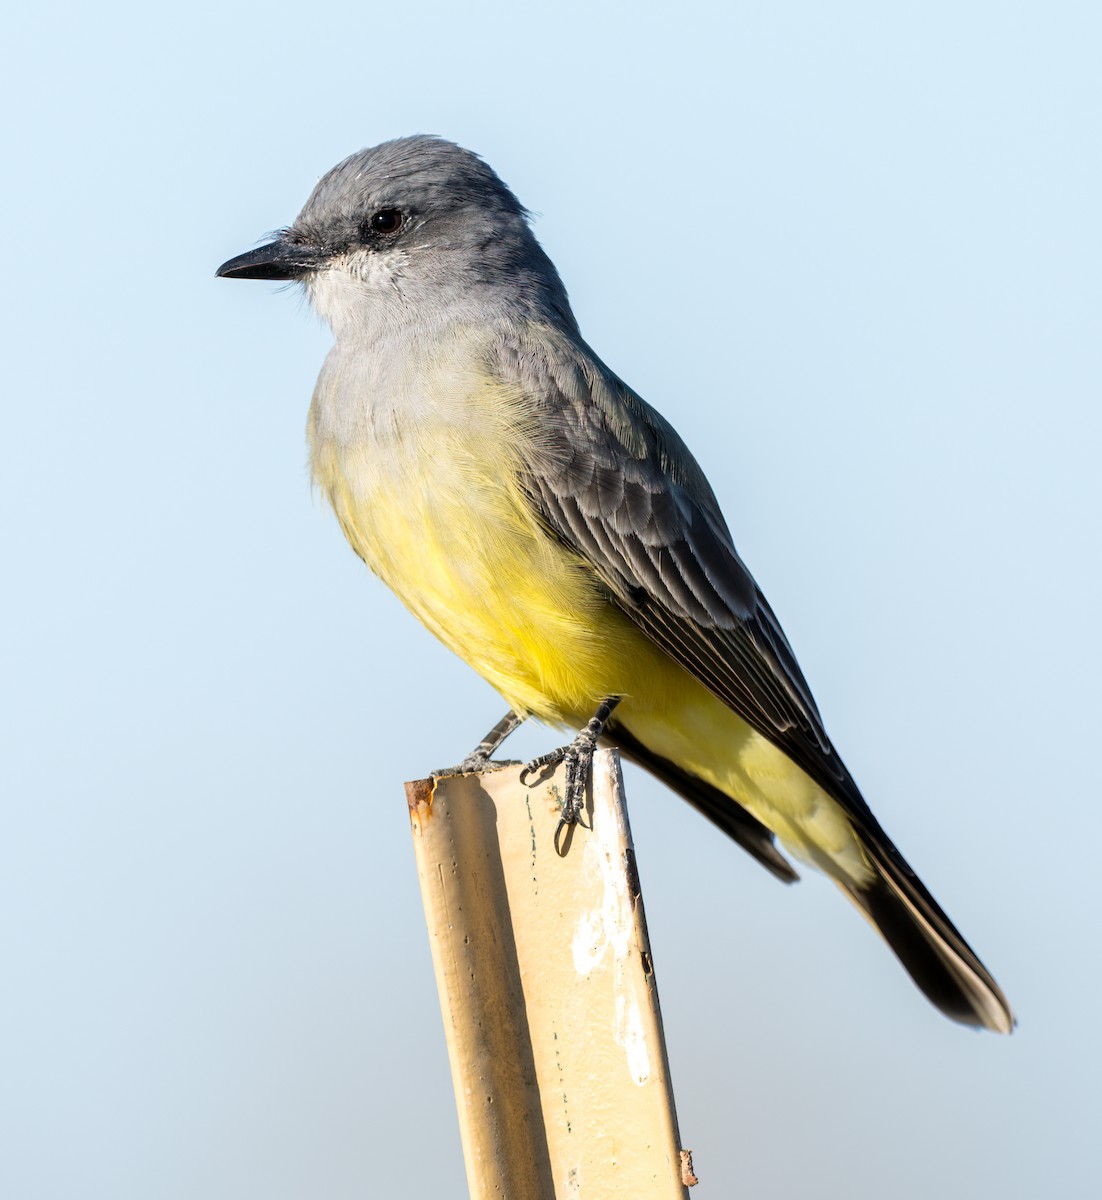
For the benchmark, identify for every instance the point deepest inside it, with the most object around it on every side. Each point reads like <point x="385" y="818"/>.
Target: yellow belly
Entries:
<point x="438" y="516"/>
<point x="459" y="547"/>
<point x="524" y="613"/>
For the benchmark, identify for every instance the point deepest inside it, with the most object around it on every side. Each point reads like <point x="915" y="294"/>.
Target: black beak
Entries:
<point x="277" y="260"/>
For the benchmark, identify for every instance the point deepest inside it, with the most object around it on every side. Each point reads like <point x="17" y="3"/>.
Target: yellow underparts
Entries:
<point x="445" y="528"/>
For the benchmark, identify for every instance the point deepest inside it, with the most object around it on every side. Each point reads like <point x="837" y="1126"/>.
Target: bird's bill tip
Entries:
<point x="276" y="260"/>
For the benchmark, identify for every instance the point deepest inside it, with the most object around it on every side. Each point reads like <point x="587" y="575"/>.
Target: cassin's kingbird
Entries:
<point x="554" y="531"/>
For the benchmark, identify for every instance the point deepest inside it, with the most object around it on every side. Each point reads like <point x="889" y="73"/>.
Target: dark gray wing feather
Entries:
<point x="612" y="480"/>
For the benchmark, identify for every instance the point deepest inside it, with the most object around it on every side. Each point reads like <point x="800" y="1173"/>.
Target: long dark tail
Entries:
<point x="926" y="942"/>
<point x="910" y="920"/>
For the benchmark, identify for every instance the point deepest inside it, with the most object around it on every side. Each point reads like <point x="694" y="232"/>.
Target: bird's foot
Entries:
<point x="578" y="758"/>
<point x="473" y="765"/>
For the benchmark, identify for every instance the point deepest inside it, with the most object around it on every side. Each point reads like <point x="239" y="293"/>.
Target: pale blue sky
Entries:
<point x="852" y="251"/>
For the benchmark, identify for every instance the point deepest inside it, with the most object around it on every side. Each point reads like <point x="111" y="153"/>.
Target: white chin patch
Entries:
<point x="340" y="291"/>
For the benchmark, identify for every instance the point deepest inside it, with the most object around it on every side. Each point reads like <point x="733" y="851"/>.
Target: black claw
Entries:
<point x="551" y="759"/>
<point x="578" y="757"/>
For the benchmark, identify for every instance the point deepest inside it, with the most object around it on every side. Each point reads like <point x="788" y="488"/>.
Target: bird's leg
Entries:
<point x="578" y="756"/>
<point x="481" y="754"/>
<point x="479" y="757"/>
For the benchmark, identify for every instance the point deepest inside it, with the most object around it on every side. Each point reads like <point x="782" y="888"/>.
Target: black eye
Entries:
<point x="386" y="220"/>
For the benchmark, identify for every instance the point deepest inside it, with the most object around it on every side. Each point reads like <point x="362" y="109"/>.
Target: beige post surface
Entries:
<point x="547" y="990"/>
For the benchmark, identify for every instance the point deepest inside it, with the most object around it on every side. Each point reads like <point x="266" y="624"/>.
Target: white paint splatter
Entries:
<point x="608" y="929"/>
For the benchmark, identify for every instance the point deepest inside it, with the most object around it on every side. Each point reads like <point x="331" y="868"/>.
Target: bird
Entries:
<point x="553" y="530"/>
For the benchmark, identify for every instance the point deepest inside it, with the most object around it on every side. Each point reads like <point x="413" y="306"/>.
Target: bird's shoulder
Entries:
<point x="610" y="468"/>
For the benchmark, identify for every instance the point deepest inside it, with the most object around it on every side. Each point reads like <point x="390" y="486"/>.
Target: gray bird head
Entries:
<point x="406" y="231"/>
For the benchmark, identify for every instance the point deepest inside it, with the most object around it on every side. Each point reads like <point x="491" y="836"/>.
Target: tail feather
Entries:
<point x="896" y="902"/>
<point x="926" y="942"/>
